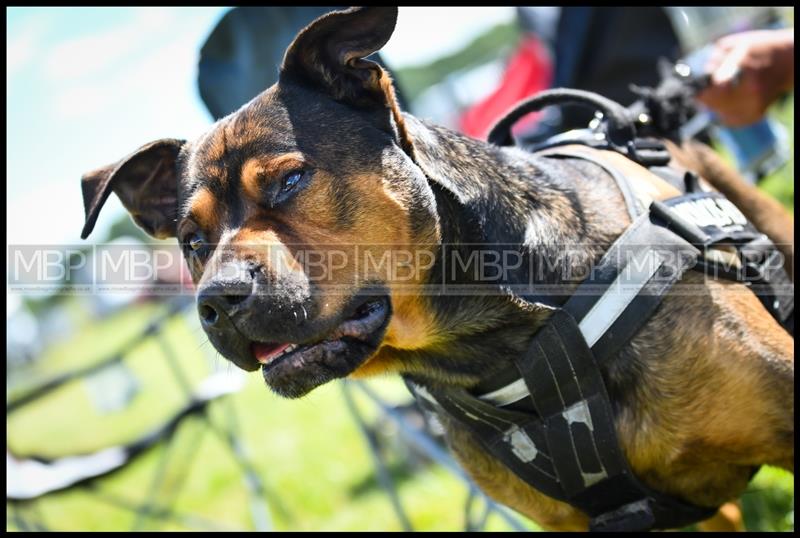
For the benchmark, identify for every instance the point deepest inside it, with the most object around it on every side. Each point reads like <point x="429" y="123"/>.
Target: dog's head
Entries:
<point x="278" y="206"/>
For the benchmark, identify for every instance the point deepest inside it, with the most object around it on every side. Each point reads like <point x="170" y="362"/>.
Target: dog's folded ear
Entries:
<point x="330" y="52"/>
<point x="146" y="182"/>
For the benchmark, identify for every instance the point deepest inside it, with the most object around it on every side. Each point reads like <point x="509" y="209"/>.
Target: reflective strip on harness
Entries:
<point x="619" y="295"/>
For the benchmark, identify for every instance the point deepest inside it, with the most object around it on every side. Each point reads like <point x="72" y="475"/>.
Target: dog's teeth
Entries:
<point x="289" y="349"/>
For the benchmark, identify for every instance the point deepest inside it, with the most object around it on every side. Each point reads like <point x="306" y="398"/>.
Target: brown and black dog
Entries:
<point x="324" y="161"/>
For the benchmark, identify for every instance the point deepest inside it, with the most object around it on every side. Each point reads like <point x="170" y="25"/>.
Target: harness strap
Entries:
<point x="768" y="279"/>
<point x="577" y="415"/>
<point x="628" y="284"/>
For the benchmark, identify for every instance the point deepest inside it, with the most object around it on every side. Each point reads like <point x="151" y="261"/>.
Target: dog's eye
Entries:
<point x="292" y="183"/>
<point x="195" y="242"/>
<point x="291" y="180"/>
<point x="196" y="249"/>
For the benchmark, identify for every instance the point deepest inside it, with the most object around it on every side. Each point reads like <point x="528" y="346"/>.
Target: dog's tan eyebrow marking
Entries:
<point x="258" y="171"/>
<point x="203" y="209"/>
<point x="208" y="160"/>
<point x="215" y="146"/>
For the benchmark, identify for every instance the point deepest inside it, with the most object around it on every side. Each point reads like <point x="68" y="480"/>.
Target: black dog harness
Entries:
<point x="552" y="422"/>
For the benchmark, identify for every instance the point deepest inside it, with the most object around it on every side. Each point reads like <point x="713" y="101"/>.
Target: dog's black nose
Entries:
<point x="224" y="294"/>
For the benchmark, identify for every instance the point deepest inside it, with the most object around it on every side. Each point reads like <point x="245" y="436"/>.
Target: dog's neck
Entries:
<point x="500" y="202"/>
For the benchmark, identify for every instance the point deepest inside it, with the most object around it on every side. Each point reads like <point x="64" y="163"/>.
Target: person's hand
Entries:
<point x="749" y="71"/>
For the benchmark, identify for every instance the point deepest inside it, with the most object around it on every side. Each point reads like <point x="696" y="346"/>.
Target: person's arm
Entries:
<point x="749" y="71"/>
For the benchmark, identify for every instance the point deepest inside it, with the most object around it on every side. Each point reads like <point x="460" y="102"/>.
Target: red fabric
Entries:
<point x="529" y="70"/>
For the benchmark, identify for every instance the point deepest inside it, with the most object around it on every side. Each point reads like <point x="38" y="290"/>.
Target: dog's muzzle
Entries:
<point x="274" y="324"/>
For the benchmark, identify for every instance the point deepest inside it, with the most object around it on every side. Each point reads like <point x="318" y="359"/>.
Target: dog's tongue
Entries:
<point x="266" y="352"/>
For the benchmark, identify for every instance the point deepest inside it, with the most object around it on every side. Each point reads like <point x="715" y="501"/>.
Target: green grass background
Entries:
<point x="309" y="452"/>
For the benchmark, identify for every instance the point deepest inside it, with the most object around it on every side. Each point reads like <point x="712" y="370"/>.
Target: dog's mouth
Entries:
<point x="366" y="320"/>
<point x="293" y="369"/>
